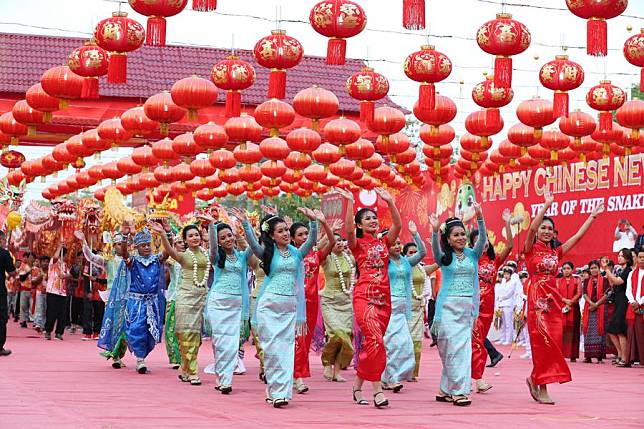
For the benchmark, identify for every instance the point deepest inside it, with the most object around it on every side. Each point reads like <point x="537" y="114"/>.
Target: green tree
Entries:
<point x="286" y="205"/>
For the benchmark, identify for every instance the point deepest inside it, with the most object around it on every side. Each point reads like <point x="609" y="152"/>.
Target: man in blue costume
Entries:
<point x="136" y="306"/>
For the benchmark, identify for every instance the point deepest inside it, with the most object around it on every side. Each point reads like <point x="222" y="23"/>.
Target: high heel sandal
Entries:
<point x="397" y="387"/>
<point x="359" y="401"/>
<point x="279" y="403"/>
<point x="381" y="404"/>
<point x="533" y="389"/>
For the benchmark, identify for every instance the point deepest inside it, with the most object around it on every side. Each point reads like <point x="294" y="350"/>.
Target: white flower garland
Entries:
<point x="203" y="281"/>
<point x="352" y="275"/>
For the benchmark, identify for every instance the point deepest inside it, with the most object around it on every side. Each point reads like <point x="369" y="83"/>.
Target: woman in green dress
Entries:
<point x="174" y="275"/>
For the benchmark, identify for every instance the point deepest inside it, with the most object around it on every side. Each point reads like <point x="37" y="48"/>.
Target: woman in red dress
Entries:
<point x="489" y="265"/>
<point x="371" y="294"/>
<point x="299" y="234"/>
<point x="570" y="290"/>
<point x="545" y="319"/>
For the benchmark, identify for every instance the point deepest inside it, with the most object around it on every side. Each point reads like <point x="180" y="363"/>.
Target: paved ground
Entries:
<point x="68" y="385"/>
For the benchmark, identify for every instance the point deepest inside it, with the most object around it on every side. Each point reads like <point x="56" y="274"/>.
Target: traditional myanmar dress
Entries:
<point x="259" y="275"/>
<point x="280" y="309"/>
<point x="311" y="286"/>
<point x="171" y="341"/>
<point x="227" y="308"/>
<point x="399" y="345"/>
<point x="487" y="270"/>
<point x="337" y="310"/>
<point x="594" y="321"/>
<point x="372" y="304"/>
<point x="545" y="319"/>
<point x="417" y="323"/>
<point x="570" y="288"/>
<point x="189" y="308"/>
<point x="112" y="336"/>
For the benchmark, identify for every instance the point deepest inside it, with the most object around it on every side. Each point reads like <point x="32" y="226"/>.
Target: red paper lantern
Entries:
<point x="634" y="53"/>
<point x="182" y="172"/>
<point x="297" y="161"/>
<point x="162" y="109"/>
<point x="233" y="76"/>
<point x="118" y="35"/>
<point x="315" y="103"/>
<point x="194" y="185"/>
<point x="136" y="122"/>
<point x="329" y="180"/>
<point x="94" y="142"/>
<point x="387" y="121"/>
<point x="359" y="150"/>
<point x="437" y="157"/>
<point x="222" y="159"/>
<point x="248" y="153"/>
<point x="213" y="181"/>
<point x="15" y="177"/>
<point x="561" y="75"/>
<point x="11" y="127"/>
<point x="577" y="125"/>
<point x="343" y="168"/>
<point x="193" y="93"/>
<point x="204" y="6"/>
<point x="274" y="114"/>
<point x="210" y="137"/>
<point x="243" y="129"/>
<point x="111" y="171"/>
<point x="205" y="194"/>
<point x="367" y="86"/>
<point x="607" y="137"/>
<point x="274" y="148"/>
<point x="89" y="61"/>
<point x="38" y="99"/>
<point x="95" y="172"/>
<point x="343" y="131"/>
<point x="157" y="11"/>
<point x="112" y="131"/>
<point x="62" y="154"/>
<point x="164" y="152"/>
<point x="148" y="181"/>
<point x="510" y="151"/>
<point x="185" y="145"/>
<point x="488" y="96"/>
<point x="250" y="173"/>
<point x="326" y="154"/>
<point x="13" y="159"/>
<point x="315" y="173"/>
<point x="597" y="12"/>
<point x="554" y="140"/>
<point x="278" y="52"/>
<point x="371" y="163"/>
<point x="503" y="37"/>
<point x="393" y="144"/>
<point x="539" y="153"/>
<point x="273" y="169"/>
<point x="164" y="174"/>
<point x="85" y="180"/>
<point x="128" y="166"/>
<point x="444" y="111"/>
<point x="338" y="20"/>
<point x="536" y="113"/>
<point x="605" y="97"/>
<point x="483" y="125"/>
<point x="522" y="136"/>
<point x="236" y="188"/>
<point x="427" y="66"/>
<point x="475" y="145"/>
<point x="50" y="164"/>
<point x="76" y="147"/>
<point x="144" y="157"/>
<point x="27" y="115"/>
<point x="437" y="136"/>
<point x="631" y="115"/>
<point x="202" y="168"/>
<point x="62" y="83"/>
<point x="303" y="140"/>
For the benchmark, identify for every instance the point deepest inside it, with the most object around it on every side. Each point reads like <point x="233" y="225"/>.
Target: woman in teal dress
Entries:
<point x="399" y="346"/>
<point x="281" y="308"/>
<point x="457" y="304"/>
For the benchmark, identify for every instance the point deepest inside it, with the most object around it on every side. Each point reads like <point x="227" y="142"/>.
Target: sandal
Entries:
<point x="533" y="389"/>
<point x="482" y="387"/>
<point x="397" y="387"/>
<point x="225" y="390"/>
<point x="301" y="387"/>
<point x="328" y="373"/>
<point x="544" y="398"/>
<point x="184" y="378"/>
<point x="118" y="364"/>
<point x="339" y="379"/>
<point x="461" y="401"/>
<point x="279" y="403"/>
<point x="443" y="397"/>
<point x="361" y="401"/>
<point x="194" y="381"/>
<point x="381" y="404"/>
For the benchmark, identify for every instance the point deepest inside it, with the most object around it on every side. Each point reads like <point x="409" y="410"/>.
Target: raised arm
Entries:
<point x="396" y="221"/>
<point x="126" y="228"/>
<point x="509" y="245"/>
<point x="326" y="248"/>
<point x="213" y="245"/>
<point x="165" y="241"/>
<point x="313" y="231"/>
<point x="584" y="228"/>
<point x="422" y="251"/>
<point x="240" y="214"/>
<point x="482" y="238"/>
<point x="87" y="251"/>
<point x="437" y="253"/>
<point x="534" y="226"/>
<point x="349" y="221"/>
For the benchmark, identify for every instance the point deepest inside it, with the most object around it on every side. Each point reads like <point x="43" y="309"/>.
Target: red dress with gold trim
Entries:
<point x="487" y="279"/>
<point x="372" y="304"/>
<point x="303" y="343"/>
<point x="545" y="319"/>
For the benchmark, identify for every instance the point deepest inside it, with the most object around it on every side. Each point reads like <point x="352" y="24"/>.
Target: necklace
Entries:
<point x="460" y="256"/>
<point x="352" y="274"/>
<point x="231" y="258"/>
<point x="284" y="253"/>
<point x="195" y="271"/>
<point x="425" y="279"/>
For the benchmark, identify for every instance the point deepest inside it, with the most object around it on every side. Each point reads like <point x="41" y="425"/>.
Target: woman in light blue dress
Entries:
<point x="399" y="345"/>
<point x="457" y="304"/>
<point x="228" y="301"/>
<point x="280" y="307"/>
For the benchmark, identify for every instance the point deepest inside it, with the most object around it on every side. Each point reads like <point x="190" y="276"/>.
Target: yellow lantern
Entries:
<point x="13" y="220"/>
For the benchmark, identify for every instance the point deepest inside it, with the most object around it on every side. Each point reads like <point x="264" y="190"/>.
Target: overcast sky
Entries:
<point x="452" y="28"/>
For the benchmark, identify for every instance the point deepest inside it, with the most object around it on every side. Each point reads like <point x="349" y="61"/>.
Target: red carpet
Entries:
<point x="53" y="384"/>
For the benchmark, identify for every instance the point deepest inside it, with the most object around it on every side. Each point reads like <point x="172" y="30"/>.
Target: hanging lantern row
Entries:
<point x="596" y="13"/>
<point x="337" y="20"/>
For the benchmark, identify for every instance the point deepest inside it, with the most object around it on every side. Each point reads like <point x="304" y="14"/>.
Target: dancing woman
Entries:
<point x="457" y="304"/>
<point x="299" y="234"/>
<point x="489" y="264"/>
<point x="545" y="318"/>
<point x="174" y="274"/>
<point x="399" y="345"/>
<point x="228" y="301"/>
<point x="337" y="311"/>
<point x="570" y="290"/>
<point x="371" y="295"/>
<point x="280" y="307"/>
<point x="191" y="296"/>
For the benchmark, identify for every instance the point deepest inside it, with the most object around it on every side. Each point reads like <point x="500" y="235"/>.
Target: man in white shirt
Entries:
<point x="635" y="315"/>
<point x="506" y="304"/>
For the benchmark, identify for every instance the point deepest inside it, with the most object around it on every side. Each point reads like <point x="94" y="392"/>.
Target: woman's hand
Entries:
<point x="269" y="210"/>
<point x="79" y="235"/>
<point x="412" y="228"/>
<point x="385" y="195"/>
<point x="344" y="194"/>
<point x="506" y="215"/>
<point x="478" y="210"/>
<point x="598" y="210"/>
<point x="307" y="212"/>
<point x="126" y="228"/>
<point x="319" y="215"/>
<point x="433" y="221"/>
<point x="238" y="213"/>
<point x="156" y="227"/>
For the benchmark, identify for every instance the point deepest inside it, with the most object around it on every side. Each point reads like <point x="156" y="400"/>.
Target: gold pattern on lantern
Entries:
<point x="618" y="96"/>
<point x="570" y="73"/>
<point x="547" y="73"/>
<point x="600" y="96"/>
<point x="351" y="13"/>
<point x="506" y="33"/>
<point x="111" y="31"/>
<point x="483" y="36"/>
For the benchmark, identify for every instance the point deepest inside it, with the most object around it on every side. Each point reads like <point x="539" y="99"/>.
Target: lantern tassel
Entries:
<point x="502" y="72"/>
<point x="336" y="51"/>
<point x="414" y="14"/>
<point x="605" y="121"/>
<point x="642" y="80"/>
<point x="427" y="96"/>
<point x="560" y="104"/>
<point x="277" y="84"/>
<point x="155" y="35"/>
<point x="233" y="104"/>
<point x="90" y="88"/>
<point x="492" y="116"/>
<point x="117" y="69"/>
<point x="204" y="5"/>
<point x="596" y="37"/>
<point x="367" y="109"/>
<point x="554" y="155"/>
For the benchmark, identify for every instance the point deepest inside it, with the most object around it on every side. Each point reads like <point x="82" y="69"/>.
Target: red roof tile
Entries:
<point x="24" y="58"/>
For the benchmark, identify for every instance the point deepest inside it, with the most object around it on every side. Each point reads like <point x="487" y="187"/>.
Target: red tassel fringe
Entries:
<point x="233" y="104"/>
<point x="155" y="35"/>
<point x="117" y="68"/>
<point x="204" y="5"/>
<point x="367" y="109"/>
<point x="503" y="72"/>
<point x="596" y="38"/>
<point x="427" y="96"/>
<point x="414" y="14"/>
<point x="336" y="51"/>
<point x="605" y="120"/>
<point x="560" y="104"/>
<point x="90" y="88"/>
<point x="492" y="116"/>
<point x="642" y="80"/>
<point x="277" y="84"/>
